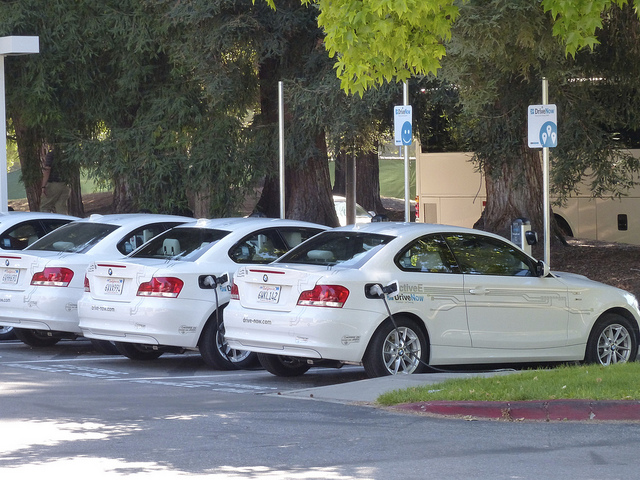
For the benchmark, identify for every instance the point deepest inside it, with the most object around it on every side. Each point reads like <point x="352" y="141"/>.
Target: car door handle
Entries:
<point x="478" y="291"/>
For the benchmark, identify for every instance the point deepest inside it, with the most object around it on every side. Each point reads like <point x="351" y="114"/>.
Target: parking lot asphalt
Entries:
<point x="366" y="392"/>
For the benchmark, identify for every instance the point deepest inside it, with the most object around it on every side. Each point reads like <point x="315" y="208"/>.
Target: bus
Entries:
<point x="451" y="190"/>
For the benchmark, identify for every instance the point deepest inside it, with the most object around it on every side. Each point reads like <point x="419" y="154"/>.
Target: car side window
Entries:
<point x="51" y="224"/>
<point x="427" y="254"/>
<point x="480" y="255"/>
<point x="141" y="235"/>
<point x="295" y="236"/>
<point x="260" y="247"/>
<point x="21" y="236"/>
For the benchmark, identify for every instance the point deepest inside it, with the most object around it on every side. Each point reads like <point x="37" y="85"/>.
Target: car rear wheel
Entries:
<point x="137" y="351"/>
<point x="283" y="366"/>
<point x="104" y="346"/>
<point x="6" y="333"/>
<point x="612" y="340"/>
<point x="36" y="338"/>
<point x="216" y="353"/>
<point x="396" y="350"/>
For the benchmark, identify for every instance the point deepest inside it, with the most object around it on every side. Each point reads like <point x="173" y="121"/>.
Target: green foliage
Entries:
<point x="391" y="40"/>
<point x="384" y="40"/>
<point x="577" y="21"/>
<point x="614" y="382"/>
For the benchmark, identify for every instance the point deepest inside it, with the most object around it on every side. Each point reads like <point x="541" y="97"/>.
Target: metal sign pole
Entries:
<point x="407" y="201"/>
<point x="545" y="185"/>
<point x="4" y="183"/>
<point x="281" y="139"/>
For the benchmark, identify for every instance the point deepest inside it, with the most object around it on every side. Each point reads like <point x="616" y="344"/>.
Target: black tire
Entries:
<point x="283" y="366"/>
<point x="104" y="347"/>
<point x="137" y="351"/>
<point x="392" y="351"/>
<point x="7" y="333"/>
<point x="216" y="352"/>
<point x="612" y="340"/>
<point x="36" y="338"/>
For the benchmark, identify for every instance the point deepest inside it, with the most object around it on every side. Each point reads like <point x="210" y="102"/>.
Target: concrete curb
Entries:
<point x="548" y="411"/>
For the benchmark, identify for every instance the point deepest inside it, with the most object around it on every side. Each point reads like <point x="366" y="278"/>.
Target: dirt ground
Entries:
<point x="615" y="264"/>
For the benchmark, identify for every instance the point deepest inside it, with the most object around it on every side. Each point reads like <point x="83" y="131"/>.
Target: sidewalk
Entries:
<point x="365" y="392"/>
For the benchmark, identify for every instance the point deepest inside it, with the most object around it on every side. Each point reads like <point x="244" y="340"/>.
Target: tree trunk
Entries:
<point x="308" y="189"/>
<point x="122" y="198"/>
<point x="514" y="191"/>
<point x="76" y="207"/>
<point x="368" y="182"/>
<point x="199" y="203"/>
<point x="29" y="142"/>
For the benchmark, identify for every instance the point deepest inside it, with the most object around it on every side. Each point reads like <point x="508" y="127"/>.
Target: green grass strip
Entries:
<point x="591" y="382"/>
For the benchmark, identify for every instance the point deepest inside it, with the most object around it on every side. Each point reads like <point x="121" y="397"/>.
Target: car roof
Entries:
<point x="13" y="217"/>
<point x="241" y="224"/>
<point x="125" y="219"/>
<point x="405" y="229"/>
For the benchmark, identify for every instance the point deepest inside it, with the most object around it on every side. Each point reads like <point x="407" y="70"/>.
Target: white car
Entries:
<point x="169" y="295"/>
<point x="40" y="285"/>
<point x="462" y="297"/>
<point x="362" y="216"/>
<point x="20" y="229"/>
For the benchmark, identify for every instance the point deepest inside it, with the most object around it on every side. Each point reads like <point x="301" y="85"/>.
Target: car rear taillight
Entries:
<point x="87" y="287"/>
<point x="235" y="294"/>
<point x="169" y="287"/>
<point x="53" y="277"/>
<point x="324" y="296"/>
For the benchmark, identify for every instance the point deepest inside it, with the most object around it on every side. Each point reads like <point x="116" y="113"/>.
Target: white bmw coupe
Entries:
<point x="462" y="296"/>
<point x="169" y="295"/>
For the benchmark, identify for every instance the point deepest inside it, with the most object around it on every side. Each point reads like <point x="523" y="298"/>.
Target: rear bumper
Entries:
<point x="151" y="321"/>
<point x="315" y="333"/>
<point x="42" y="308"/>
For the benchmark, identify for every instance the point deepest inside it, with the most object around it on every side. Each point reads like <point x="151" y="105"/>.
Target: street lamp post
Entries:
<point x="14" y="45"/>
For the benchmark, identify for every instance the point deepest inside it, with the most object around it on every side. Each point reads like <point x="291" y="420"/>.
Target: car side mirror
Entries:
<point x="542" y="269"/>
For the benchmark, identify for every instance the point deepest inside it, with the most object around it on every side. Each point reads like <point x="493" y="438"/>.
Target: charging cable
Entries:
<point x="213" y="281"/>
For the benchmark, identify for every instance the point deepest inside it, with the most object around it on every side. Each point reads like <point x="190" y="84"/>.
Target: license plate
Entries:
<point x="269" y="294"/>
<point x="10" y="276"/>
<point x="113" y="286"/>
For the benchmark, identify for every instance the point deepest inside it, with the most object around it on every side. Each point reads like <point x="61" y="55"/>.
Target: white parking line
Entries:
<point x="214" y="382"/>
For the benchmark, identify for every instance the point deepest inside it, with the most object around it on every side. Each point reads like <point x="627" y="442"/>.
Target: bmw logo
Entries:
<point x="265" y="278"/>
<point x="6" y="262"/>
<point x="110" y="272"/>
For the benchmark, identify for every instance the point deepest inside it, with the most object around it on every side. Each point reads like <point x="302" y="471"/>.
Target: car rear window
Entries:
<point x="337" y="248"/>
<point x="73" y="237"/>
<point x="186" y="244"/>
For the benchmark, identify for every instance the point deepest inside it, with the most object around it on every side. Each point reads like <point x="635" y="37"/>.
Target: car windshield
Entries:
<point x="333" y="248"/>
<point x="186" y="244"/>
<point x="74" y="237"/>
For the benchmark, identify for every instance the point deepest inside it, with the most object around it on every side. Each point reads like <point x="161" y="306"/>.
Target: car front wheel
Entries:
<point x="137" y="351"/>
<point x="612" y="340"/>
<point x="283" y="366"/>
<point x="395" y="349"/>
